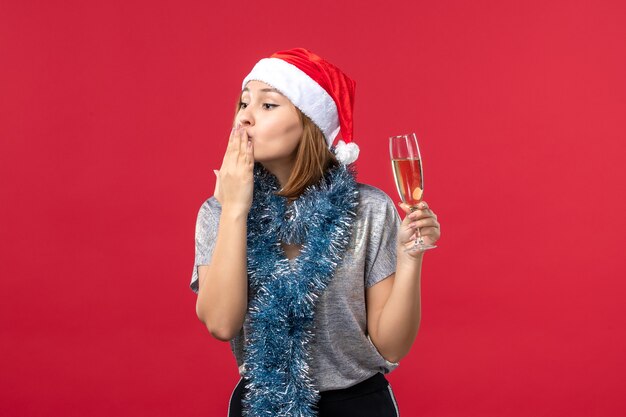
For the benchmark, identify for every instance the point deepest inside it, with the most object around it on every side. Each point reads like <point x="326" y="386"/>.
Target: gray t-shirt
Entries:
<point x="342" y="352"/>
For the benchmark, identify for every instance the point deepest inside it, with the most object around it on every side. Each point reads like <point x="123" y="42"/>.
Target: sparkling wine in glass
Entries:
<point x="409" y="175"/>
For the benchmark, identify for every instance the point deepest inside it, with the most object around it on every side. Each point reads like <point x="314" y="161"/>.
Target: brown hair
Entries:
<point x="313" y="158"/>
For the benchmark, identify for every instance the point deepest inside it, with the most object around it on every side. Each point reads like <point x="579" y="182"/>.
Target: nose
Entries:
<point x="245" y="118"/>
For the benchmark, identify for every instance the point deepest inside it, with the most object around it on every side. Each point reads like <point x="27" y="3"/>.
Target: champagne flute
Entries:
<point x="409" y="176"/>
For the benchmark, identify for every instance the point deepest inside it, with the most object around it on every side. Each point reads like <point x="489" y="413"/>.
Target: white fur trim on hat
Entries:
<point x="301" y="90"/>
<point x="346" y="153"/>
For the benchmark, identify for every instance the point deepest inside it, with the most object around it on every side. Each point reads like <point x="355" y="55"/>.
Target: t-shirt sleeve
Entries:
<point x="206" y="232"/>
<point x="380" y="259"/>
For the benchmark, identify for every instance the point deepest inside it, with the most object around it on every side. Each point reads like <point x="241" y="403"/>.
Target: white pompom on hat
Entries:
<point x="316" y="87"/>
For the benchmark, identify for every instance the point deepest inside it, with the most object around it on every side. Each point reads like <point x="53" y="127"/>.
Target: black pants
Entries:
<point x="370" y="398"/>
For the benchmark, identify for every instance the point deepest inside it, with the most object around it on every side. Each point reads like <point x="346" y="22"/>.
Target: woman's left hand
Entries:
<point x="425" y="219"/>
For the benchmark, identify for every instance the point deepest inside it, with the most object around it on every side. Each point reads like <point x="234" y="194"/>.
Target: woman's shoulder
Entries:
<point x="212" y="203"/>
<point x="370" y="195"/>
<point x="376" y="207"/>
<point x="210" y="208"/>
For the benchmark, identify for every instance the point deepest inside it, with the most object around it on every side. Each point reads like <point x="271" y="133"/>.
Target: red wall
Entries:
<point x="113" y="115"/>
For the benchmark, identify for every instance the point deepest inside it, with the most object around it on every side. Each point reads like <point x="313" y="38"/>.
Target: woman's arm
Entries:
<point x="394" y="304"/>
<point x="223" y="285"/>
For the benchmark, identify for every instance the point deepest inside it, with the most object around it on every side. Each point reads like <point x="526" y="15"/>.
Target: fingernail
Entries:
<point x="421" y="205"/>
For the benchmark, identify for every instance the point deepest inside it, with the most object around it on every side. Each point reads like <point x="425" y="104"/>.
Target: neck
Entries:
<point x="281" y="171"/>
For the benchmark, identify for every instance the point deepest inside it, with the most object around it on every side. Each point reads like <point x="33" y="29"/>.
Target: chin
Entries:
<point x="265" y="158"/>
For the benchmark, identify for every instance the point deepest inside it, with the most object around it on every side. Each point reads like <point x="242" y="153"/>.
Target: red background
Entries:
<point x="113" y="115"/>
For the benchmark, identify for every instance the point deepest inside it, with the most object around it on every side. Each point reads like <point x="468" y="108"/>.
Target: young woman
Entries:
<point x="299" y="266"/>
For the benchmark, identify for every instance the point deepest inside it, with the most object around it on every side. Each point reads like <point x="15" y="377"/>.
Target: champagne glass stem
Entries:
<point x="418" y="238"/>
<point x="418" y="244"/>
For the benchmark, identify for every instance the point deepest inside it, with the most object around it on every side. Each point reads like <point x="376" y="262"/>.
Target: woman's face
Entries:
<point x="271" y="121"/>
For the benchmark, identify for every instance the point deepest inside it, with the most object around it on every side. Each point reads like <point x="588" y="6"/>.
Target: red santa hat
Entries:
<point x="316" y="87"/>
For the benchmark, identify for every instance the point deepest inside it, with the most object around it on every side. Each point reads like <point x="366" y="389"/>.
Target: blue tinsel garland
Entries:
<point x="282" y="300"/>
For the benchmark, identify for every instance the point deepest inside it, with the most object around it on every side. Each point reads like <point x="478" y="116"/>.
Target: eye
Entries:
<point x="268" y="106"/>
<point x="242" y="105"/>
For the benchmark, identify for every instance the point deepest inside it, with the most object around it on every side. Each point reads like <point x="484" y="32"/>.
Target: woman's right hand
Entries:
<point x="235" y="181"/>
